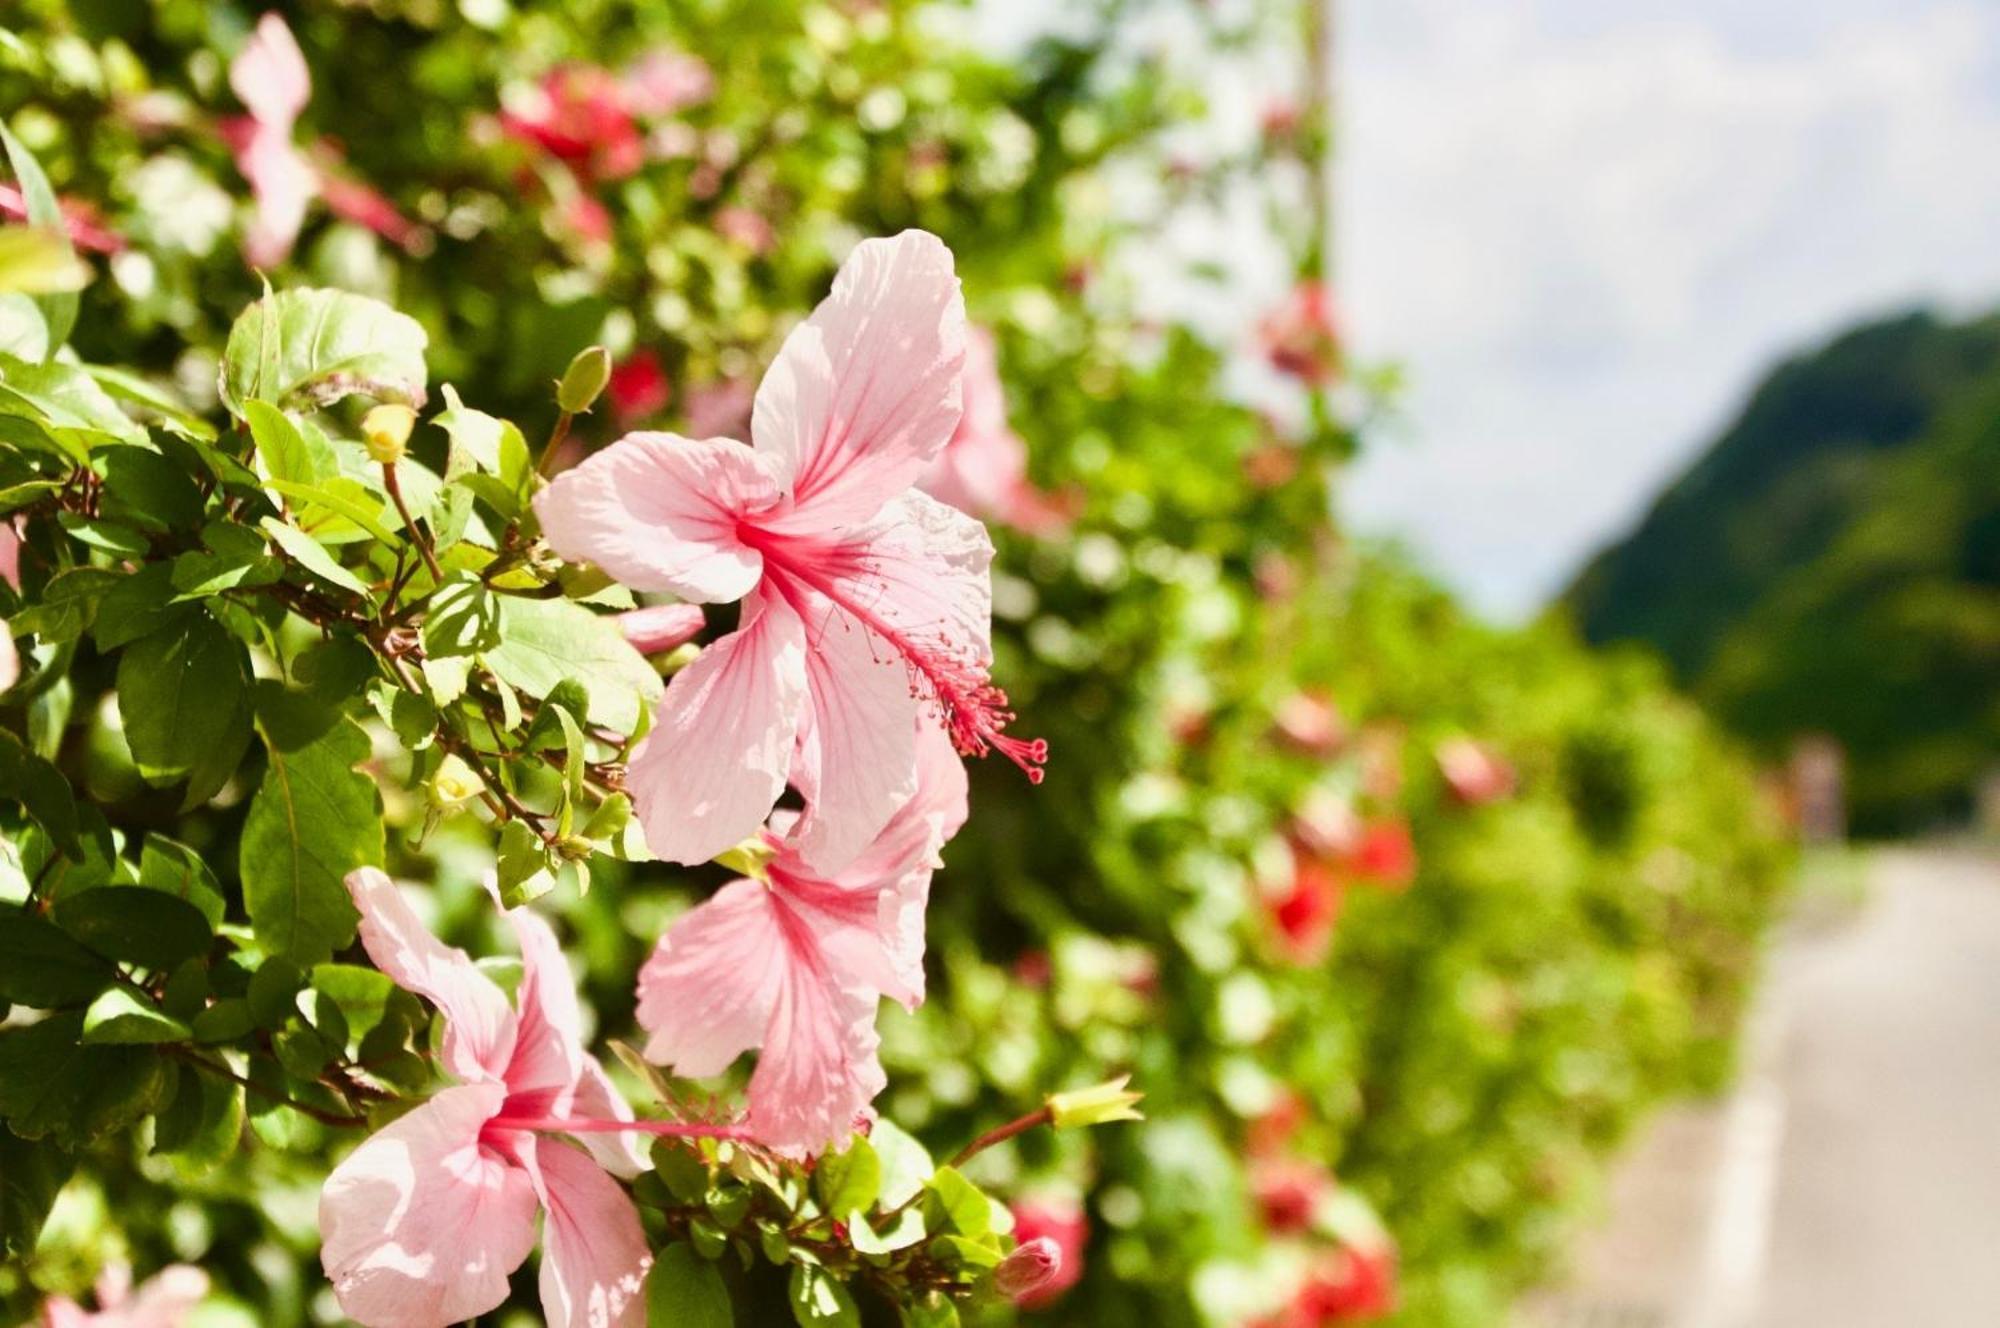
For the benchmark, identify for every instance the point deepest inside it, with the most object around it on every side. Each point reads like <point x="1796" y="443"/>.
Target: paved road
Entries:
<point x="1853" y="1178"/>
<point x="1887" y="1211"/>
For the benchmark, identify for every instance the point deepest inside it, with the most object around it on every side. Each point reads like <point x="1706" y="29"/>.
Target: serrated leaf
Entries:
<point x="684" y="1290"/>
<point x="44" y="968"/>
<point x="306" y="348"/>
<point x="120" y="1017"/>
<point x="314" y="819"/>
<point x="184" y="696"/>
<point x="543" y="642"/>
<point x="133" y="924"/>
<point x="53" y="1086"/>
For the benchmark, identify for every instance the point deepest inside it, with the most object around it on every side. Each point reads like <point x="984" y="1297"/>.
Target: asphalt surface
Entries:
<point x="1852" y="1178"/>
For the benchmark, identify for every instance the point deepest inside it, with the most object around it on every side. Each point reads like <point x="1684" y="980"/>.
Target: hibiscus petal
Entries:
<point x="10" y="658"/>
<point x="596" y="1099"/>
<point x="922" y="570"/>
<point x="818" y="1069"/>
<point x="269" y="75"/>
<point x="167" y="1297"/>
<point x="548" y="1050"/>
<point x="660" y="512"/>
<point x="865" y="393"/>
<point x="283" y="183"/>
<point x="706" y="777"/>
<point x="707" y="991"/>
<point x="421" y="1225"/>
<point x="857" y="762"/>
<point x="594" y="1254"/>
<point x="479" y="1024"/>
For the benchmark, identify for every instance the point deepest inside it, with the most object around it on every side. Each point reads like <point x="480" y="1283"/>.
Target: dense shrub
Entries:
<point x="1349" y="883"/>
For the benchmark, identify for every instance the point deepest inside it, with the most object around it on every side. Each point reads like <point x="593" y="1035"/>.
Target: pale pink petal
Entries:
<point x="62" y="1312"/>
<point x="166" y="1298"/>
<point x="705" y="778"/>
<point x="283" y="184"/>
<point x="421" y="1224"/>
<point x="658" y="628"/>
<point x="865" y="393"/>
<point x="113" y="1285"/>
<point x="857" y="763"/>
<point x="707" y="991"/>
<point x="596" y="1099"/>
<point x="548" y="1049"/>
<point x="661" y="512"/>
<point x="985" y="463"/>
<point x="10" y="553"/>
<point x="479" y="1024"/>
<point x="594" y="1254"/>
<point x="920" y="571"/>
<point x="818" y="1069"/>
<point x="269" y="74"/>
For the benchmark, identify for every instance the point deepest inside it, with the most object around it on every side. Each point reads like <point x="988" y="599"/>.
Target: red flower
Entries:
<point x="1288" y="1193"/>
<point x="1352" y="1285"/>
<point x="579" y="116"/>
<point x="639" y="387"/>
<point x="1063" y="1222"/>
<point x="1385" y="856"/>
<point x="1473" y="772"/>
<point x="1305" y="913"/>
<point x="86" y="231"/>
<point x="1300" y="337"/>
<point x="1271" y="1132"/>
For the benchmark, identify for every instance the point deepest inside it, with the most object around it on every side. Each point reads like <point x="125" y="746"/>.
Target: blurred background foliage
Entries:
<point x="1355" y="886"/>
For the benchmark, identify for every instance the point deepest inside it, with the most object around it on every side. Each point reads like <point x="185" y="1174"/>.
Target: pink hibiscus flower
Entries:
<point x="865" y="603"/>
<point x="662" y="627"/>
<point x="164" y="1300"/>
<point x="424" y="1221"/>
<point x="797" y="965"/>
<point x="80" y="220"/>
<point x="983" y="470"/>
<point x="269" y="76"/>
<point x="1301" y="338"/>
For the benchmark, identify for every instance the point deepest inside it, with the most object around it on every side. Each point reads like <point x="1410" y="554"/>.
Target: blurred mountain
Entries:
<point x="1832" y="564"/>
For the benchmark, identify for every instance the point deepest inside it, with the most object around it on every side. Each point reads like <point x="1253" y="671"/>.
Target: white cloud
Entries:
<point x="1587" y="227"/>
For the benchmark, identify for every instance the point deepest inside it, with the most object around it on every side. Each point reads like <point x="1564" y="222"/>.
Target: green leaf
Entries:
<point x="38" y="260"/>
<point x="524" y="869"/>
<point x="203" y="1125"/>
<point x="120" y="1018"/>
<point x="69" y="604"/>
<point x="959" y="1204"/>
<point x="361" y="993"/>
<point x="175" y="869"/>
<point x="302" y="349"/>
<point x="129" y="607"/>
<point x="69" y="400"/>
<point x="906" y="1164"/>
<point x="53" y="1086"/>
<point x="23" y="330"/>
<point x="543" y="642"/>
<point x="224" y="1021"/>
<point x="174" y="416"/>
<point x="848" y="1181"/>
<point x="283" y="448"/>
<point x="58" y="307"/>
<point x="44" y="969"/>
<point x="464" y="619"/>
<point x="681" y="1169"/>
<point x="134" y="924"/>
<point x="820" y="1301"/>
<point x="311" y="555"/>
<point x="42" y="792"/>
<point x="274" y="992"/>
<point x="146" y="489"/>
<point x="684" y="1290"/>
<point x="936" y="1310"/>
<point x="31" y="1175"/>
<point x="184" y="696"/>
<point x="313" y="820"/>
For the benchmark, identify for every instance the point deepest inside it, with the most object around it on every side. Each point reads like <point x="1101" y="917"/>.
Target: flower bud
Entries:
<point x="1032" y="1266"/>
<point x="454" y="783"/>
<point x="662" y="627"/>
<point x="583" y="382"/>
<point x="1098" y="1105"/>
<point x="386" y="431"/>
<point x="748" y="858"/>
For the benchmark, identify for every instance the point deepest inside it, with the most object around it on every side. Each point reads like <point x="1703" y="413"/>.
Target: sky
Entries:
<point x="1584" y="228"/>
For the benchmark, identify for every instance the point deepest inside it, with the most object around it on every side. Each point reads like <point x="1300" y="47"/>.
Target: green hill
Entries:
<point x="1833" y="564"/>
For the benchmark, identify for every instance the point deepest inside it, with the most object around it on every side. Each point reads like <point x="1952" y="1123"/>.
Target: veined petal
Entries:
<point x="856" y="762"/>
<point x="479" y="1024"/>
<point x="548" y="1049"/>
<point x="706" y="777"/>
<point x="594" y="1254"/>
<point x="269" y="75"/>
<point x="660" y="512"/>
<point x="922" y="568"/>
<point x="818" y="1070"/>
<point x="421" y="1224"/>
<point x="596" y="1099"/>
<point x="865" y="393"/>
<point x="707" y="992"/>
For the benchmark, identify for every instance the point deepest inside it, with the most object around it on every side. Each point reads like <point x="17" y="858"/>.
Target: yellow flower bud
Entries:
<point x="386" y="430"/>
<point x="1098" y="1105"/>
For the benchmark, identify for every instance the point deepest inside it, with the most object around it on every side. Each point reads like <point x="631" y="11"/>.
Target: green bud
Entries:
<point x="748" y="858"/>
<point x="1097" y="1105"/>
<point x="386" y="431"/>
<point x="454" y="783"/>
<point x="584" y="380"/>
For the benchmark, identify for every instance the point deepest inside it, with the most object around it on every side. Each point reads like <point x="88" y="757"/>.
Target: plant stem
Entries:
<point x="557" y="437"/>
<point x="1000" y="1134"/>
<point x="417" y="536"/>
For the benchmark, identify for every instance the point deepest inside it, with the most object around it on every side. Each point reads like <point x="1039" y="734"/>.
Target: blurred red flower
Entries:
<point x="1300" y="337"/>
<point x="639" y="387"/>
<point x="1063" y="1222"/>
<point x="1385" y="855"/>
<point x="1473" y="772"/>
<point x="1288" y="1192"/>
